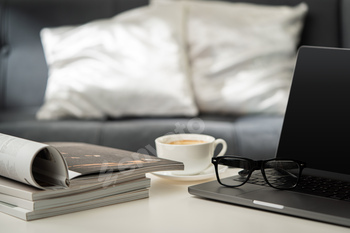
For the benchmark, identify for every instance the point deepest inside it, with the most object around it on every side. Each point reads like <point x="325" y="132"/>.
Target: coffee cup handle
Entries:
<point x="222" y="152"/>
<point x="224" y="146"/>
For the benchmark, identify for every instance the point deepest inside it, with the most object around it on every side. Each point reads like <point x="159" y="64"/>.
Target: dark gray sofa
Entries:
<point x="23" y="77"/>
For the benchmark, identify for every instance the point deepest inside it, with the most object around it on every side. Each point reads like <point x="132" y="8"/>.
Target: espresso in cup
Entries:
<point x="194" y="150"/>
<point x="187" y="142"/>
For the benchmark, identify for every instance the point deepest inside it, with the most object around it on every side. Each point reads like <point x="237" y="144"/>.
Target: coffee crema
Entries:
<point x="186" y="142"/>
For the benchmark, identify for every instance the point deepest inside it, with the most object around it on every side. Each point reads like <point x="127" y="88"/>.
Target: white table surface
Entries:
<point x="170" y="208"/>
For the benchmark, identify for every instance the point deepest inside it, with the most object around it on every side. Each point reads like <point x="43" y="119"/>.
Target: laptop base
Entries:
<point x="265" y="198"/>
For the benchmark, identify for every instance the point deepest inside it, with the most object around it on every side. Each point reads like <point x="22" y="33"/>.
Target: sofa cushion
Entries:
<point x="130" y="65"/>
<point x="22" y="123"/>
<point x="242" y="55"/>
<point x="251" y="136"/>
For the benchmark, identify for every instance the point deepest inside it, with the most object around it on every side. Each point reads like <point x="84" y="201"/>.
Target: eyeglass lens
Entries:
<point x="282" y="174"/>
<point x="232" y="167"/>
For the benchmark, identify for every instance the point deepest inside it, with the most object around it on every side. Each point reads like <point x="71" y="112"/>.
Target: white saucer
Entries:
<point x="204" y="175"/>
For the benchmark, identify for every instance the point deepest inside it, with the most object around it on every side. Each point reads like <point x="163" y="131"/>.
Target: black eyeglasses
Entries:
<point x="232" y="171"/>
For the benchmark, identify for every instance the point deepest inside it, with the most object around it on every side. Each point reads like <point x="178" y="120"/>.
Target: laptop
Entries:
<point x="315" y="130"/>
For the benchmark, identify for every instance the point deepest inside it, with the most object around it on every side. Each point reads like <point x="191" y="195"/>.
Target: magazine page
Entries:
<point x="106" y="162"/>
<point x="32" y="163"/>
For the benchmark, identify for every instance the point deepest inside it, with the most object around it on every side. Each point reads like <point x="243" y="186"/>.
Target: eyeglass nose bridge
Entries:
<point x="256" y="165"/>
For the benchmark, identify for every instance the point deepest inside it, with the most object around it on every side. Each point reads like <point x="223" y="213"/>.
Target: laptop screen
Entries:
<point x="316" y="127"/>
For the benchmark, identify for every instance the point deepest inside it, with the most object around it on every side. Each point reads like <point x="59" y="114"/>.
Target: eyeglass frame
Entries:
<point x="256" y="165"/>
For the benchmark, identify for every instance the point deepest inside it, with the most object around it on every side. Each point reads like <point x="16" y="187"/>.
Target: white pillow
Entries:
<point x="130" y="65"/>
<point x="242" y="55"/>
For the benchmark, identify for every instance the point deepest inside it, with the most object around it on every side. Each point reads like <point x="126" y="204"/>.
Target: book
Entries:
<point x="124" y="187"/>
<point x="28" y="215"/>
<point x="16" y="189"/>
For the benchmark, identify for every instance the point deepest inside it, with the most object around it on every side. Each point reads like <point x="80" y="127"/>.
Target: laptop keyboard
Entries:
<point x="324" y="187"/>
<point x="319" y="186"/>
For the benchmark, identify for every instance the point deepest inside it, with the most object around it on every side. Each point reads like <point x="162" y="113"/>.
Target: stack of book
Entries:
<point x="41" y="180"/>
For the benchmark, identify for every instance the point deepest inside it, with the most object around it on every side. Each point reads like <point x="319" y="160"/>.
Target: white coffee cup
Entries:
<point x="194" y="150"/>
